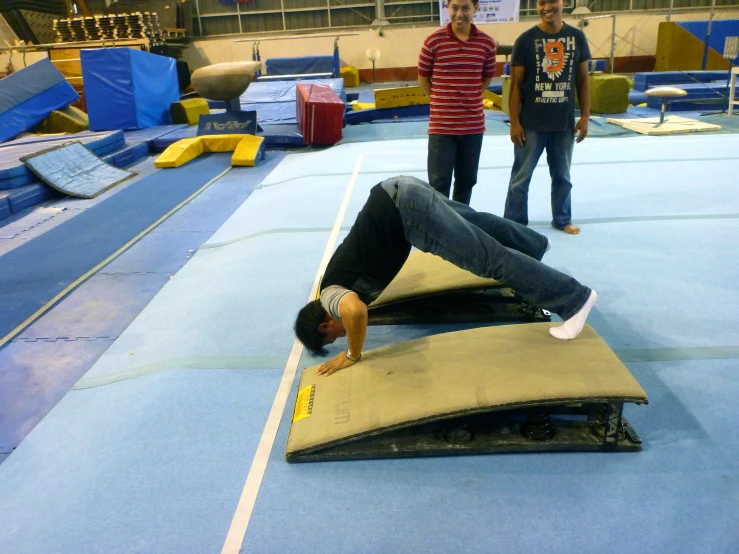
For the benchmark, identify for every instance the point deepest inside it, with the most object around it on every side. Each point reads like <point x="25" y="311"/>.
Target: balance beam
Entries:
<point x="495" y="389"/>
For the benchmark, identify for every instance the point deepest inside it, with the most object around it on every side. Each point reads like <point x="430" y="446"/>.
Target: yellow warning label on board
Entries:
<point x="304" y="403"/>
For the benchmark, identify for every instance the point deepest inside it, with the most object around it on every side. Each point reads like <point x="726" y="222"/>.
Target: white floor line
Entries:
<point x="240" y="521"/>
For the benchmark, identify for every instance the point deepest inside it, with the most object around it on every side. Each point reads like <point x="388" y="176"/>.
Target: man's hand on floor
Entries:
<point x="340" y="361"/>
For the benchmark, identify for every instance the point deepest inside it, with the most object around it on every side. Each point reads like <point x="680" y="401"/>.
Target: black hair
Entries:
<point x="306" y="327"/>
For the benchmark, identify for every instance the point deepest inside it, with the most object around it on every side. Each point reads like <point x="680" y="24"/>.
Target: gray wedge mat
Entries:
<point x="453" y="374"/>
<point x="73" y="169"/>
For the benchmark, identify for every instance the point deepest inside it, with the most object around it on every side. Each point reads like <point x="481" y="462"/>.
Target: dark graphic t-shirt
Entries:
<point x="548" y="91"/>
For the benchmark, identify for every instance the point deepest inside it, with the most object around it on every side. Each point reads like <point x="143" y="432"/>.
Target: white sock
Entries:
<point x="549" y="245"/>
<point x="572" y="327"/>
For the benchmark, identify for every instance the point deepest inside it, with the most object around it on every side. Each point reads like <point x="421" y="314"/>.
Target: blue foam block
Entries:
<point x="24" y="197"/>
<point x="365" y="116"/>
<point x="644" y="81"/>
<point x="282" y="135"/>
<point x="697" y="105"/>
<point x="284" y="91"/>
<point x="128" y="89"/>
<point x="4" y="208"/>
<point x="636" y="97"/>
<point x="298" y="66"/>
<point x="129" y="154"/>
<point x="151" y="133"/>
<point x="160" y="144"/>
<point x="28" y="96"/>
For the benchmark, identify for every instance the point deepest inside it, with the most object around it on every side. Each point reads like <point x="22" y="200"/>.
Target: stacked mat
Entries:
<point x="103" y="27"/>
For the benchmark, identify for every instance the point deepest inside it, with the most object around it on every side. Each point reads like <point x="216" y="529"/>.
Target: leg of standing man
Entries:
<point x="466" y="166"/>
<point x="442" y="154"/>
<point x="559" y="157"/>
<point x="525" y="159"/>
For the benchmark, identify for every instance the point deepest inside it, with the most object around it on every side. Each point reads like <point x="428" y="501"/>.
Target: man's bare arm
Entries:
<point x="425" y="83"/>
<point x="353" y="314"/>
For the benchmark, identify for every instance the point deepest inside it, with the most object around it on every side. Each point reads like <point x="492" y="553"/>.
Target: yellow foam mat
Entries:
<point x="432" y="378"/>
<point x="400" y="97"/>
<point x="248" y="151"/>
<point x="491" y="101"/>
<point x="673" y="125"/>
<point x="66" y="120"/>
<point x="350" y="74"/>
<point x="189" y="111"/>
<point x="245" y="148"/>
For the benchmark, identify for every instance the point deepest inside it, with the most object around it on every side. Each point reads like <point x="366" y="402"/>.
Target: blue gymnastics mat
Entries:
<point x="24" y="197"/>
<point x="78" y="245"/>
<point x="275" y="101"/>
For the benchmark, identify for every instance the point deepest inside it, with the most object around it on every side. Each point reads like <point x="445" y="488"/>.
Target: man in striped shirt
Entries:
<point x="456" y="64"/>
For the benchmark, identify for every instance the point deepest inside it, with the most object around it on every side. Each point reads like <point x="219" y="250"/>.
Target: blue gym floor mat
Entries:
<point x="33" y="274"/>
<point x="100" y="309"/>
<point x="129" y="154"/>
<point x="151" y="133"/>
<point x="74" y="170"/>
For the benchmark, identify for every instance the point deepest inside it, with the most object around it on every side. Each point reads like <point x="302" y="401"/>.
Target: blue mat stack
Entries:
<point x="707" y="90"/>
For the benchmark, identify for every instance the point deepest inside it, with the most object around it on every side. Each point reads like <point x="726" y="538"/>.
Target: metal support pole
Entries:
<point x="379" y="9"/>
<point x="282" y="9"/>
<point x="669" y="12"/>
<point x="328" y="9"/>
<point x="613" y="45"/>
<point x="200" y="21"/>
<point x="708" y="36"/>
<point x="380" y="18"/>
<point x="238" y="14"/>
<point x="337" y="63"/>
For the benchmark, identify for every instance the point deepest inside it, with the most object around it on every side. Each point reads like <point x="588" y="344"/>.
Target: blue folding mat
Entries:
<point x="128" y="89"/>
<point x="13" y="173"/>
<point x="28" y="96"/>
<point x="74" y="170"/>
<point x="34" y="273"/>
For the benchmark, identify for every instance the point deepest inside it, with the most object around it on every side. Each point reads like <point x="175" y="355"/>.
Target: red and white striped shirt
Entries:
<point x="457" y="69"/>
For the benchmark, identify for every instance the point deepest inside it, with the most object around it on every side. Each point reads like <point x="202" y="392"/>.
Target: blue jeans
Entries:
<point x="458" y="155"/>
<point x="484" y="244"/>
<point x="559" y="157"/>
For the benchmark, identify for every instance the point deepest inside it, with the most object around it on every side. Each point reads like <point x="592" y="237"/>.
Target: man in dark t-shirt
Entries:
<point x="403" y="212"/>
<point x="550" y="63"/>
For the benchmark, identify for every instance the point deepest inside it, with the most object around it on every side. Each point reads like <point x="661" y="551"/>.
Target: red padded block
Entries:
<point x="320" y="114"/>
